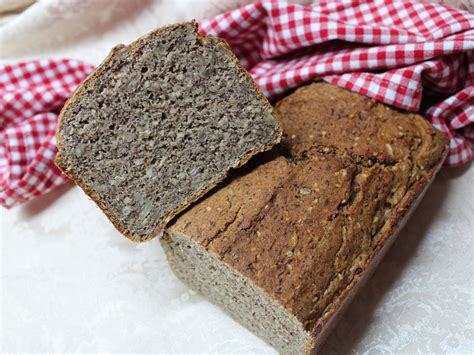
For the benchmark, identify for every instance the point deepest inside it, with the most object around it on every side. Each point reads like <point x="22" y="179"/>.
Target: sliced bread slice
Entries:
<point x="158" y="124"/>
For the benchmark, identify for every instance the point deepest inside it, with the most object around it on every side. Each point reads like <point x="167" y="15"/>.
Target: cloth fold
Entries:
<point x="399" y="53"/>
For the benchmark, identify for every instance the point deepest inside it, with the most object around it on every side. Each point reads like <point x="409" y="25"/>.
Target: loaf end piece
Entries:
<point x="158" y="124"/>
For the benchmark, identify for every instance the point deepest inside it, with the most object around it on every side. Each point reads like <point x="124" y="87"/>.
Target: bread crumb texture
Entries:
<point x="159" y="123"/>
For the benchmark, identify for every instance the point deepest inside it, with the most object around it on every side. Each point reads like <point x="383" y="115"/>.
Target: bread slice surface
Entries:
<point x="158" y="124"/>
<point x="306" y="228"/>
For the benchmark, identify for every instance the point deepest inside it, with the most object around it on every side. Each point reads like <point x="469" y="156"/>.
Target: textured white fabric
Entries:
<point x="69" y="282"/>
<point x="88" y="29"/>
<point x="14" y="5"/>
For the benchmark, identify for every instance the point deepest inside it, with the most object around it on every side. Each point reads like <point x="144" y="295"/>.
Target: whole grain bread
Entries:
<point x="158" y="124"/>
<point x="285" y="244"/>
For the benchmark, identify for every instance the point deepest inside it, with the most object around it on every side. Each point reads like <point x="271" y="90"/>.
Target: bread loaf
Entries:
<point x="160" y="122"/>
<point x="285" y="244"/>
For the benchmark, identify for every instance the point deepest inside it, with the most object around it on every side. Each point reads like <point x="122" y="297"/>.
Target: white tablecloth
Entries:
<point x="70" y="282"/>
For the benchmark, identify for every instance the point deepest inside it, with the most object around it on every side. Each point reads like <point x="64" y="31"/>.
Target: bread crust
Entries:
<point x="327" y="322"/>
<point x="90" y="80"/>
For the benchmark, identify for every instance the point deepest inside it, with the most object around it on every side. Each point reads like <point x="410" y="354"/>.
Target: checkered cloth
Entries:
<point x="413" y="56"/>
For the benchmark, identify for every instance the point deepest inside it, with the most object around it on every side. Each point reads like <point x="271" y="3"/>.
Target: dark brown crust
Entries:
<point x="90" y="80"/>
<point x="396" y="223"/>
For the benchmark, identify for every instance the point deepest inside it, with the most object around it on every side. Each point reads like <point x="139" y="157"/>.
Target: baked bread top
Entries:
<point x="304" y="223"/>
<point x="160" y="122"/>
<point x="323" y="117"/>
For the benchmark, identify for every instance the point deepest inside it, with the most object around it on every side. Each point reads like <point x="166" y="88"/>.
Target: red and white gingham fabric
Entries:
<point x="395" y="52"/>
<point x="31" y="96"/>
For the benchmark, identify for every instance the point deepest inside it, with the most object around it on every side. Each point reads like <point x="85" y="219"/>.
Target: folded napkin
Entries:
<point x="414" y="56"/>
